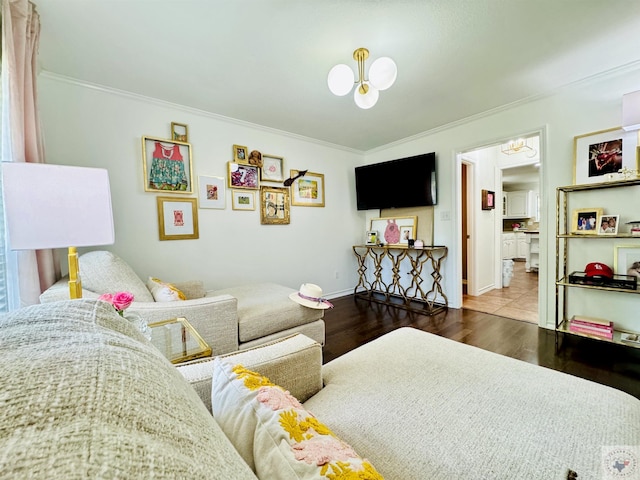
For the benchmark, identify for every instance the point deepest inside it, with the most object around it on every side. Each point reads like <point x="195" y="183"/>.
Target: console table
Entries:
<point x="396" y="276"/>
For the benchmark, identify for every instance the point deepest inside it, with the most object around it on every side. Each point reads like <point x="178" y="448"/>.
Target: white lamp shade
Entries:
<point x="56" y="206"/>
<point x="340" y="80"/>
<point x="631" y="111"/>
<point x="367" y="100"/>
<point x="383" y="73"/>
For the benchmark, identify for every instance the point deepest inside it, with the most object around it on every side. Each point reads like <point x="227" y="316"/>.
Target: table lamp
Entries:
<point x="57" y="206"/>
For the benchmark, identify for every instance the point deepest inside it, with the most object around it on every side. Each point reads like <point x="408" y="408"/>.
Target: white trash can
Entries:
<point x="507" y="272"/>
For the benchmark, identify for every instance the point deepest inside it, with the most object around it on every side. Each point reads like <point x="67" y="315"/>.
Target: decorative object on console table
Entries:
<point x="406" y="234"/>
<point x="243" y="200"/>
<point x="57" y="206"/>
<point x="177" y="218"/>
<point x="242" y="176"/>
<point x="167" y="165"/>
<point x="599" y="156"/>
<point x="488" y="200"/>
<point x="393" y="226"/>
<point x="211" y="192"/>
<point x="608" y="224"/>
<point x="372" y="237"/>
<point x="274" y="206"/>
<point x="179" y="132"/>
<point x="240" y="154"/>
<point x="585" y="220"/>
<point x="272" y="168"/>
<point x="307" y="188"/>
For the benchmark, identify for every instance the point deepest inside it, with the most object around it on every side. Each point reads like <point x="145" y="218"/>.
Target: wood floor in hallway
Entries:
<point x="518" y="301"/>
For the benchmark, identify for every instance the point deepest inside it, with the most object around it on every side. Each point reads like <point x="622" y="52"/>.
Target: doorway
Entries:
<point x="515" y="233"/>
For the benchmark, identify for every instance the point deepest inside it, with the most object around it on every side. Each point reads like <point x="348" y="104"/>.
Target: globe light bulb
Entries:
<point x="383" y="73"/>
<point x="340" y="80"/>
<point x="368" y="99"/>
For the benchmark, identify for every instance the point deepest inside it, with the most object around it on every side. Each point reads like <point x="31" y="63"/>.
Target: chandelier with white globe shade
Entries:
<point x="382" y="74"/>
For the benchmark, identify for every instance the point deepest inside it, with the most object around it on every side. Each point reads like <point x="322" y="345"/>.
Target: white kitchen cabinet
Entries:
<point x="519" y="204"/>
<point x="532" y="259"/>
<point x="509" y="246"/>
<point x="521" y="245"/>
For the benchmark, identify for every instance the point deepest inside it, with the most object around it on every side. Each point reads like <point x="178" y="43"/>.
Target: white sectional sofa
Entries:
<point x="84" y="395"/>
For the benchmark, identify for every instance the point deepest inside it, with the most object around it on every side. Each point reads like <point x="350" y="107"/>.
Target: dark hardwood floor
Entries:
<point x="353" y="322"/>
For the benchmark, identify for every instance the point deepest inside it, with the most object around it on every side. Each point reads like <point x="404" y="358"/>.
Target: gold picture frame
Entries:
<point x="242" y="175"/>
<point x="177" y="218"/>
<point x="179" y="132"/>
<point x="394" y="236"/>
<point x="272" y="169"/>
<point x="240" y="154"/>
<point x="156" y="155"/>
<point x="243" y="200"/>
<point x="274" y="206"/>
<point x="584" y="221"/>
<point x="308" y="190"/>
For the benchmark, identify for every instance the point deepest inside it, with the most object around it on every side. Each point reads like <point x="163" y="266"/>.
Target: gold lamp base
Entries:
<point x="75" y="284"/>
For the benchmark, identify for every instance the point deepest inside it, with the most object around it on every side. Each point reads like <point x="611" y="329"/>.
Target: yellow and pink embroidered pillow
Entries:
<point x="273" y="432"/>
<point x="164" y="292"/>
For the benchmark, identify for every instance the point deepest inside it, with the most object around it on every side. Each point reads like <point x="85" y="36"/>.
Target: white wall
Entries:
<point x="592" y="105"/>
<point x="89" y="126"/>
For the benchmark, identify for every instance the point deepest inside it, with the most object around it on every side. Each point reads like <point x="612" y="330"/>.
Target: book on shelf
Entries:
<point x="604" y="333"/>
<point x="595" y="320"/>
<point x="608" y="326"/>
<point x="632" y="338"/>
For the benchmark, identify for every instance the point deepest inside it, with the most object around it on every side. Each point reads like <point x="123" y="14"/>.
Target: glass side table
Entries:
<point x="178" y="340"/>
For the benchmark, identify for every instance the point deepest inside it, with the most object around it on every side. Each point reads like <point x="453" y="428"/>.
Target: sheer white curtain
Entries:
<point x="27" y="273"/>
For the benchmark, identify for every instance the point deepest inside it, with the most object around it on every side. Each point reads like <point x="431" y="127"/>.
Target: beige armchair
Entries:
<point x="228" y="320"/>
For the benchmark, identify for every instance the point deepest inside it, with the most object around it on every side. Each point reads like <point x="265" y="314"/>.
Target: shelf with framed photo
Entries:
<point x="587" y="242"/>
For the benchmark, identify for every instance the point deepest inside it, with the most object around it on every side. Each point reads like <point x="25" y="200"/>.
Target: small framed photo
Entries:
<point x="488" y="200"/>
<point x="372" y="237"/>
<point x="608" y="224"/>
<point x="179" y="132"/>
<point x="177" y="218"/>
<point x="272" y="168"/>
<point x="243" y="176"/>
<point x="394" y="229"/>
<point x="211" y="192"/>
<point x="274" y="206"/>
<point x="243" y="200"/>
<point x="599" y="156"/>
<point x="307" y="190"/>
<point x="240" y="154"/>
<point x="166" y="165"/>
<point x="585" y="221"/>
<point x="626" y="260"/>
<point x="406" y="235"/>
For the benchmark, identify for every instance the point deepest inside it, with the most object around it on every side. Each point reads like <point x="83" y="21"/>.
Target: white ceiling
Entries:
<point x="266" y="61"/>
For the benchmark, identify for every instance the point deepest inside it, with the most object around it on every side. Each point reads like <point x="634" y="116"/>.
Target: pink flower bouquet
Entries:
<point x="120" y="301"/>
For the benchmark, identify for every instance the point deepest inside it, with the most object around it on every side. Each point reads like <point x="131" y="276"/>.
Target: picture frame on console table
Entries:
<point x="274" y="206"/>
<point x="177" y="218"/>
<point x="598" y="156"/>
<point x="167" y="165"/>
<point x="391" y="229"/>
<point x="308" y="190"/>
<point x="211" y="192"/>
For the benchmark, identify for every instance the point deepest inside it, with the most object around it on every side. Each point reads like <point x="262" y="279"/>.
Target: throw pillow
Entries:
<point x="164" y="292"/>
<point x="273" y="432"/>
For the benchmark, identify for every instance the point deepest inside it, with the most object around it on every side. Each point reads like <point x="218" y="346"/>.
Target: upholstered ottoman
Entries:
<point x="266" y="313"/>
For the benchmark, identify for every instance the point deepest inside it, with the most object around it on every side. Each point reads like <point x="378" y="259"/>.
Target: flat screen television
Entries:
<point x="405" y="182"/>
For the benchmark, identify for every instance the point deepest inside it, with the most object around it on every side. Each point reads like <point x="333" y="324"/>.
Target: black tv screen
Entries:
<point x="406" y="182"/>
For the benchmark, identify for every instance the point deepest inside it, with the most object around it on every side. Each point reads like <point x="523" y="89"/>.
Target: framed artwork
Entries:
<point x="308" y="190"/>
<point x="167" y="165"/>
<point x="243" y="176"/>
<point x="179" y="132"/>
<point x="272" y="168"/>
<point x="177" y="218"/>
<point x="393" y="229"/>
<point x="274" y="206"/>
<point x="585" y="221"/>
<point x="243" y="200"/>
<point x="211" y="192"/>
<point x="599" y="156"/>
<point x="372" y="237"/>
<point x="240" y="154"/>
<point x="608" y="224"/>
<point x="488" y="200"/>
<point x="626" y="260"/>
<point x="406" y="235"/>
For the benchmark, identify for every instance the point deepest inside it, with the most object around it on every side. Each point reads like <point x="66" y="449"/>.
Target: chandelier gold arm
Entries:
<point x="360" y="55"/>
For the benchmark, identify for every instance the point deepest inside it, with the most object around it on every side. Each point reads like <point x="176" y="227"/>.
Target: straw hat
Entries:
<point x="310" y="295"/>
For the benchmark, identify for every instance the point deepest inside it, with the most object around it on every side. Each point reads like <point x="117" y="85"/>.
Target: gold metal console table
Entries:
<point x="401" y="283"/>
